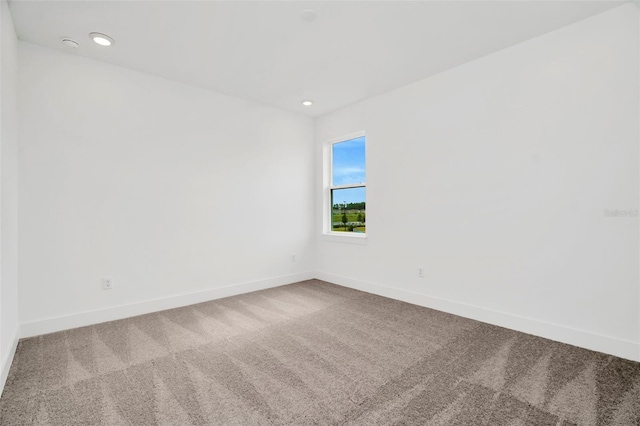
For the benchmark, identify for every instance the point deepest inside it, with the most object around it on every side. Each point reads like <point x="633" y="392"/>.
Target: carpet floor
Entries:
<point x="312" y="353"/>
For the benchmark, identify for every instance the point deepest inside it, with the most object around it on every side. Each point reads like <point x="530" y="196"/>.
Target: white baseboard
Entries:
<point x="584" y="339"/>
<point x="8" y="359"/>
<point x="606" y="344"/>
<point x="81" y="319"/>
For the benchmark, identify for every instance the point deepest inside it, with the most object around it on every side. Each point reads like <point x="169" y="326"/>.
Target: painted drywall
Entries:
<point x="8" y="192"/>
<point x="495" y="177"/>
<point x="169" y="189"/>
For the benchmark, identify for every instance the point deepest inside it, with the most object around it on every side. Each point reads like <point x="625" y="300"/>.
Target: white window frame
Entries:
<point x="328" y="187"/>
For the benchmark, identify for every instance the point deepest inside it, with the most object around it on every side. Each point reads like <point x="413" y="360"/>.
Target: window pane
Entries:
<point x="348" y="210"/>
<point x="348" y="162"/>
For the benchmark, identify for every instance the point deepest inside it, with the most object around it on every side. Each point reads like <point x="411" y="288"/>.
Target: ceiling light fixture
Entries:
<point x="70" y="42"/>
<point x="307" y="103"/>
<point x="101" y="39"/>
<point x="309" y="15"/>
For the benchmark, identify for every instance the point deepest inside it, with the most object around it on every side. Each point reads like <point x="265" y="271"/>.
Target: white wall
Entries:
<point x="494" y="176"/>
<point x="8" y="193"/>
<point x="167" y="188"/>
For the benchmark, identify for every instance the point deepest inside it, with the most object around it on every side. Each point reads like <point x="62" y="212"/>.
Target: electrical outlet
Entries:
<point x="294" y="259"/>
<point x="107" y="283"/>
<point x="420" y="272"/>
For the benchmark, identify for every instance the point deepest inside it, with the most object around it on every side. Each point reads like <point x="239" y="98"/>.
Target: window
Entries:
<point x="347" y="186"/>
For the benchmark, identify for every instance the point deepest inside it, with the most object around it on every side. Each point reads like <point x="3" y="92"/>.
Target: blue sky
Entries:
<point x="349" y="167"/>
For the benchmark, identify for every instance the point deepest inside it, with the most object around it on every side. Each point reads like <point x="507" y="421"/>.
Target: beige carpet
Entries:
<point x="312" y="353"/>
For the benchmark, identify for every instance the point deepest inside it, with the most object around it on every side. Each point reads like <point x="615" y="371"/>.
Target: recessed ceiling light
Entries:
<point x="70" y="42"/>
<point x="307" y="103"/>
<point x="101" y="39"/>
<point x="309" y="15"/>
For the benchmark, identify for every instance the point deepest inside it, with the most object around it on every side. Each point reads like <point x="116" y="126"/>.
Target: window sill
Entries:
<point x="344" y="237"/>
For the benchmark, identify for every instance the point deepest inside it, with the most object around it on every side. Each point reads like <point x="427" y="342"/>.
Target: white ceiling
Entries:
<point x="264" y="51"/>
